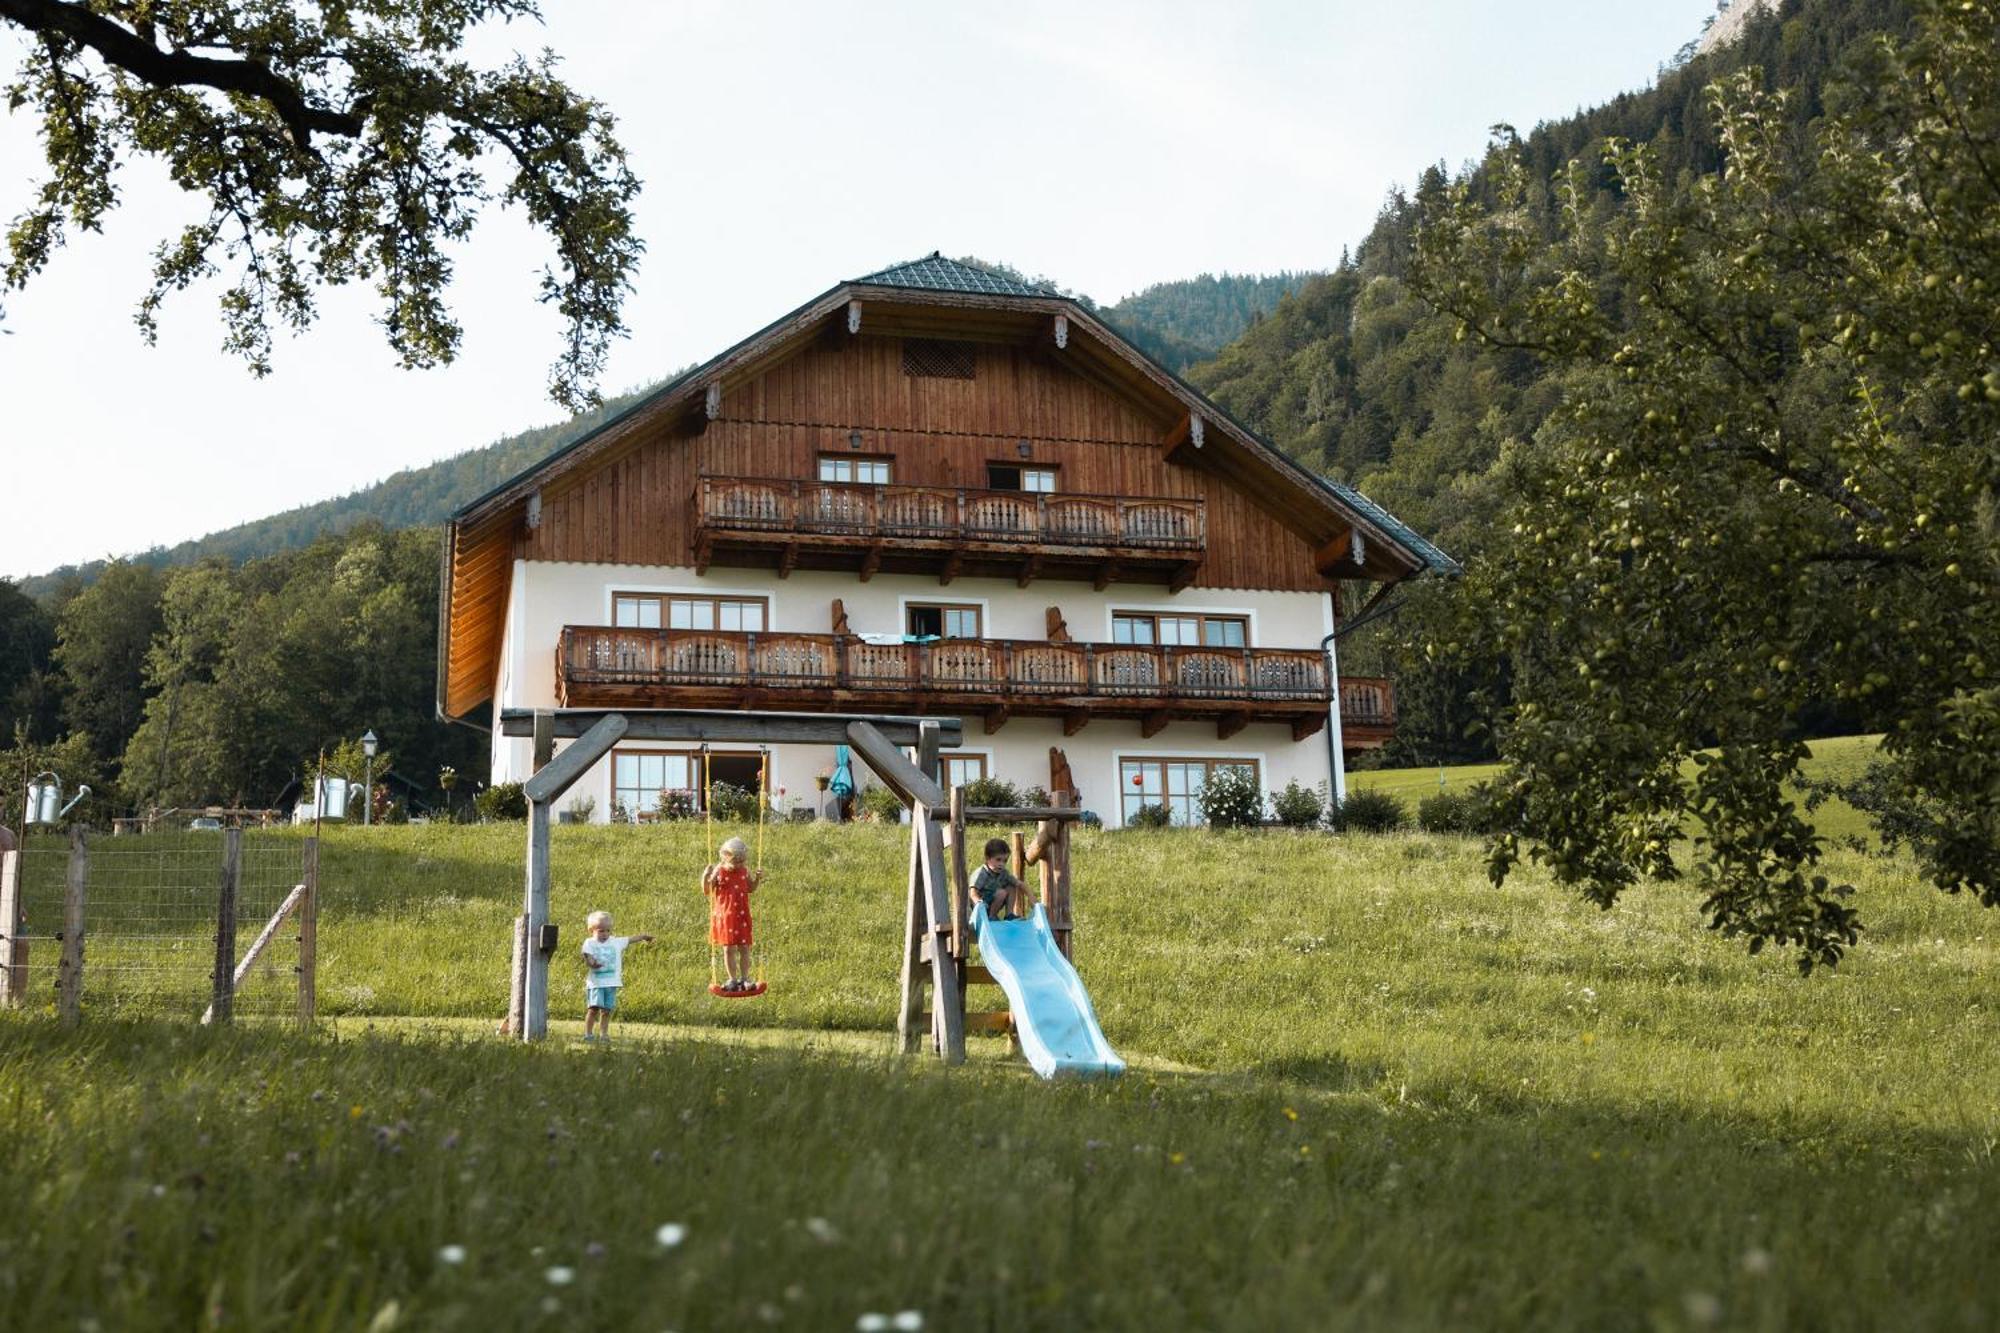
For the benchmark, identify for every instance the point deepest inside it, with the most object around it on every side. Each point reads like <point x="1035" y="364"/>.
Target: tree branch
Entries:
<point x="128" y="51"/>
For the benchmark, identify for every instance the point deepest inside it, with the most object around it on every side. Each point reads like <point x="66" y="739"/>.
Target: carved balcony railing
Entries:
<point x="604" y="667"/>
<point x="823" y="524"/>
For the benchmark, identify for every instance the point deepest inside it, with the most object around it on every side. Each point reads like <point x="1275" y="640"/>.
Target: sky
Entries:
<point x="783" y="147"/>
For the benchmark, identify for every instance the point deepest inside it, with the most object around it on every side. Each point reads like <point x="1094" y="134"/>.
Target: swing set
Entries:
<point x="1030" y="959"/>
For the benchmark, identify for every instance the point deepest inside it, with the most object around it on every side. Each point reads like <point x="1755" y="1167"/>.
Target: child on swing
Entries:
<point x="729" y="886"/>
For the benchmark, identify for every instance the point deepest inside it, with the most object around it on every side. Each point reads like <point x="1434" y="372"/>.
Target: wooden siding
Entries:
<point x="634" y="508"/>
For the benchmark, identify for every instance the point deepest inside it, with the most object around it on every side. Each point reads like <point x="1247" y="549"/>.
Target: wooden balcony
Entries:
<point x="947" y="531"/>
<point x="599" y="667"/>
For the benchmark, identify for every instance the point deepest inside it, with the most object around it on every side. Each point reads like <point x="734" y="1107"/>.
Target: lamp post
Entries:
<point x="368" y="744"/>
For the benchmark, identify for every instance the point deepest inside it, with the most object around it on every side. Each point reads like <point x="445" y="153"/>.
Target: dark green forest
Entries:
<point x="211" y="671"/>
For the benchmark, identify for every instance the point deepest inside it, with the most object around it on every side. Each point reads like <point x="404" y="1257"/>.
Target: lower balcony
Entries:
<point x="600" y="667"/>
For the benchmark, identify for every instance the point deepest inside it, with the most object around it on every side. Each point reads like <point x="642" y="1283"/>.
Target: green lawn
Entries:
<point x="1369" y="1090"/>
<point x="1841" y="757"/>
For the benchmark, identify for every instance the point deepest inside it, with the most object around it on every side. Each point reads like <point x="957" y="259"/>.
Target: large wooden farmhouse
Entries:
<point x="932" y="490"/>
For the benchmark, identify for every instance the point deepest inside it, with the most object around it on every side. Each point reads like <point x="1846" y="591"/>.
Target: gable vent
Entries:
<point x="933" y="358"/>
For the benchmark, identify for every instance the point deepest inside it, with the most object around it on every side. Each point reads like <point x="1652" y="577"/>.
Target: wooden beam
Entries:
<point x="1305" y="724"/>
<point x="1184" y="577"/>
<point x="13" y="949"/>
<point x="704" y="551"/>
<point x="1029" y="570"/>
<point x="948" y="1019"/>
<point x="555" y="779"/>
<point x="1074" y="721"/>
<point x="1229" y="726"/>
<point x="700" y="724"/>
<point x="952" y="564"/>
<point x="871" y="562"/>
<point x="69" y="965"/>
<point x="788" y="558"/>
<point x="1176" y="439"/>
<point x="900" y="775"/>
<point x="545" y="740"/>
<point x="909" y="1012"/>
<point x="1333" y="552"/>
<point x="996" y="718"/>
<point x="534" y="917"/>
<point x="1106" y="572"/>
<point x="1020" y="814"/>
<point x="1154" y="722"/>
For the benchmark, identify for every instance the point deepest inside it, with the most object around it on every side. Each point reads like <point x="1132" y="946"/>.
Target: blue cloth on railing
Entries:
<point x="842" y="783"/>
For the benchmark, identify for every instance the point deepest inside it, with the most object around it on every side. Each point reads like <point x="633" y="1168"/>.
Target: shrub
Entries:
<point x="1451" y="812"/>
<point x="675" y="805"/>
<point x="1149" y="816"/>
<point x="992" y="791"/>
<point x="880" y="804"/>
<point x="1037" y="796"/>
<point x="1230" y="799"/>
<point x="582" y="808"/>
<point x="1372" y="812"/>
<point x="501" y="801"/>
<point x="1298" y="807"/>
<point x="619" y="814"/>
<point x="734" y="804"/>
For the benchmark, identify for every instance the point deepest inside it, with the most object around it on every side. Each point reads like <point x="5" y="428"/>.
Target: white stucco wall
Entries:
<point x="545" y="596"/>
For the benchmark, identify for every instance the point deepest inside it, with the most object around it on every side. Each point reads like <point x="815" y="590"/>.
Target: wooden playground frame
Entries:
<point x="936" y="944"/>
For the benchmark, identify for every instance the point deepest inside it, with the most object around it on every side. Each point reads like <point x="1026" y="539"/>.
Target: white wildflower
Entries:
<point x="872" y="1323"/>
<point x="908" y="1320"/>
<point x="1756" y="1261"/>
<point x="822" y="1230"/>
<point x="451" y="1254"/>
<point x="559" y="1276"/>
<point x="670" y="1234"/>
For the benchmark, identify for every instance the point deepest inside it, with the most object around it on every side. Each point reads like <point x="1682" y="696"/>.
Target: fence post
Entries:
<point x="69" y="973"/>
<point x="224" y="1001"/>
<point x="13" y="949"/>
<point x="309" y="935"/>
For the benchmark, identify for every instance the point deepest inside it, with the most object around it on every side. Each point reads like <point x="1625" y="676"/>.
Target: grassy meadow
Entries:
<point x="1369" y="1090"/>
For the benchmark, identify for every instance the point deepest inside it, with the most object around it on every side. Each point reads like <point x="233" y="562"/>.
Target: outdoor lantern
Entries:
<point x="368" y="747"/>
<point x="368" y="743"/>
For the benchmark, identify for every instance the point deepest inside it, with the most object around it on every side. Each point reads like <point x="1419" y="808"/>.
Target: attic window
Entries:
<point x="933" y="358"/>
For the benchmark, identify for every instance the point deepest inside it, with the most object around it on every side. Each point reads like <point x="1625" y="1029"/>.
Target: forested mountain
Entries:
<point x="1356" y="376"/>
<point x="1180" y="323"/>
<point x="406" y="499"/>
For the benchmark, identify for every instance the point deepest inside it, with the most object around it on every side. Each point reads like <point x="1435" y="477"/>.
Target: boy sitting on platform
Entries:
<point x="995" y="885"/>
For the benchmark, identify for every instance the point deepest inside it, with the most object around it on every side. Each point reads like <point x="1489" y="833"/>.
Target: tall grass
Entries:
<point x="1372" y="1091"/>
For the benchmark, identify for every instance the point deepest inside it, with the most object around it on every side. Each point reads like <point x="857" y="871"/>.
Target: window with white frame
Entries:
<point x="866" y="471"/>
<point x="1187" y="631"/>
<point x="676" y="611"/>
<point x="963" y="769"/>
<point x="1174" y="783"/>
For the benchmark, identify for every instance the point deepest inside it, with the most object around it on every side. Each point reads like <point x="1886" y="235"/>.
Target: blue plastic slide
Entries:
<point x="1052" y="1014"/>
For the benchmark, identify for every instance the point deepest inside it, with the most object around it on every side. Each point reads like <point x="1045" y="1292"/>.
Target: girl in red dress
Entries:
<point x="729" y="886"/>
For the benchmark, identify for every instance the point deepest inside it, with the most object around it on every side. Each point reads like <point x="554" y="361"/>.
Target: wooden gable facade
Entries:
<point x="947" y="387"/>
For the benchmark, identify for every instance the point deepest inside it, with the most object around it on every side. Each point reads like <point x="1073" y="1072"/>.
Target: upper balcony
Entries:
<point x="947" y="531"/>
<point x="600" y="667"/>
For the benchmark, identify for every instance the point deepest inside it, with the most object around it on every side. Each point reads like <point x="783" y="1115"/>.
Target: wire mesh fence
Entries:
<point x="162" y="914"/>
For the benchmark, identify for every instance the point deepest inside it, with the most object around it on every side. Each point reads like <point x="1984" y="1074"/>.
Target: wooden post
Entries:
<point x="961" y="889"/>
<point x="517" y="979"/>
<point x="1058" y="883"/>
<point x="1019" y="858"/>
<point x="535" y="975"/>
<point x="13" y="949"/>
<point x="947" y="1023"/>
<point x="258" y="945"/>
<point x="545" y="739"/>
<point x="223" y="1001"/>
<point x="309" y="935"/>
<point x="910" y="1011"/>
<point x="69" y="972"/>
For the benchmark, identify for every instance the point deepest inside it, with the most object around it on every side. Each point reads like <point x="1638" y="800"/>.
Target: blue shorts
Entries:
<point x="601" y="997"/>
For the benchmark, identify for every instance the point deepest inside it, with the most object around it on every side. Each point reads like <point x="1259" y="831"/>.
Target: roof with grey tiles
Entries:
<point x="936" y="273"/>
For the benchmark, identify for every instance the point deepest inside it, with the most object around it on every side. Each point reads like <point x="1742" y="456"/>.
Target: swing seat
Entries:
<point x="721" y="992"/>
